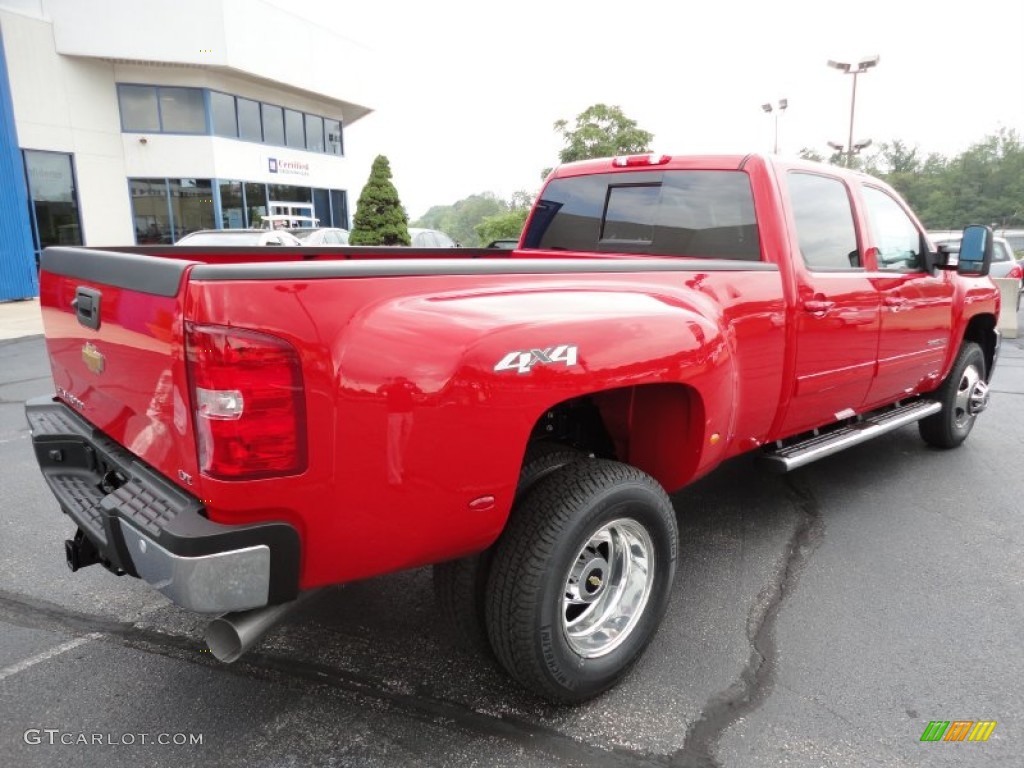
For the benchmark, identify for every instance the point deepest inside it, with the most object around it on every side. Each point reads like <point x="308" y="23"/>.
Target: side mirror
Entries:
<point x="944" y="257"/>
<point x="975" y="251"/>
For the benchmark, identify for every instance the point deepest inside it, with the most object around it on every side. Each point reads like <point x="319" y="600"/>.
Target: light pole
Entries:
<point x="859" y="68"/>
<point x="779" y="108"/>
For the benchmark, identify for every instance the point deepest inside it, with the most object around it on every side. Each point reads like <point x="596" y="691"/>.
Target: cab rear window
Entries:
<point x="702" y="214"/>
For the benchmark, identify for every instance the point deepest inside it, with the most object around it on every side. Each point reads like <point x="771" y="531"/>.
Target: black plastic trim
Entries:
<point x="158" y="277"/>
<point x="430" y="267"/>
<point x="178" y="526"/>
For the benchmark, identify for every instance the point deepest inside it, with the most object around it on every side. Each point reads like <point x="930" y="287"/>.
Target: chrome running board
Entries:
<point x="796" y="455"/>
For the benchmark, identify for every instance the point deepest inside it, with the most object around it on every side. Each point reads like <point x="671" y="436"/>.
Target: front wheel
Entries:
<point x="581" y="579"/>
<point x="963" y="395"/>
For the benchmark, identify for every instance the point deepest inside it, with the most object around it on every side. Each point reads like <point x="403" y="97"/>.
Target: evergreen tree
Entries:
<point x="380" y="218"/>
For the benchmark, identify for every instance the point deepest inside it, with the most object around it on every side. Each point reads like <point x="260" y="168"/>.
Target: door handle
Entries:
<point x="895" y="303"/>
<point x="818" y="306"/>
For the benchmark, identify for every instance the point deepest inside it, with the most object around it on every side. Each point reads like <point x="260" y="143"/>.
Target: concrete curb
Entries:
<point x="20" y="318"/>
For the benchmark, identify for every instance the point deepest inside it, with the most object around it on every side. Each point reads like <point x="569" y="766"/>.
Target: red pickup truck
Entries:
<point x="237" y="428"/>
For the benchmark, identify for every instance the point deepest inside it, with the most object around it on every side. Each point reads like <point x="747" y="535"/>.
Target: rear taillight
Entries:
<point x="247" y="397"/>
<point x="1016" y="271"/>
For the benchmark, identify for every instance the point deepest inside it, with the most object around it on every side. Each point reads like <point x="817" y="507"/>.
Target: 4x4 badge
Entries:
<point x="93" y="358"/>
<point x="522" y="361"/>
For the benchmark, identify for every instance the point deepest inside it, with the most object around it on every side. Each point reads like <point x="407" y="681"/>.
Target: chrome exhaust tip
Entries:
<point x="231" y="635"/>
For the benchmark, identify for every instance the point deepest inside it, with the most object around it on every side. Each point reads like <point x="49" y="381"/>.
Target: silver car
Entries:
<point x="321" y="235"/>
<point x="430" y="238"/>
<point x="1004" y="263"/>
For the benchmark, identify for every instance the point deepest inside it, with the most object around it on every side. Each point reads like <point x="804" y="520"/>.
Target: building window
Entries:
<point x="182" y="110"/>
<point x="273" y="124"/>
<point x="249" y="124"/>
<point x="139" y="111"/>
<point x="165" y="210"/>
<point x="191" y="205"/>
<point x="255" y="203"/>
<point x="339" y="208"/>
<point x="54" y="199"/>
<point x="286" y="193"/>
<point x="314" y="133"/>
<point x="322" y="206"/>
<point x="225" y="122"/>
<point x="150" y="212"/>
<point x="294" y="129"/>
<point x="172" y="109"/>
<point x="232" y="205"/>
<point x="334" y="144"/>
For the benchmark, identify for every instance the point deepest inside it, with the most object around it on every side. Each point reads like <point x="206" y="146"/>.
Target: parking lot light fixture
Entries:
<point x="848" y="68"/>
<point x="778" y="108"/>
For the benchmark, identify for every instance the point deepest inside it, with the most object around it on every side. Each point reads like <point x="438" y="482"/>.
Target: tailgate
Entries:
<point x="114" y="334"/>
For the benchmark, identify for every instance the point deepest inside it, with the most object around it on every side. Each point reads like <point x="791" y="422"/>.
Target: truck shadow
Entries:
<point x="384" y="637"/>
<point x="387" y="634"/>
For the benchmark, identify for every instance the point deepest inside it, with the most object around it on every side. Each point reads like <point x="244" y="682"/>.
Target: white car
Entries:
<point x="240" y="237"/>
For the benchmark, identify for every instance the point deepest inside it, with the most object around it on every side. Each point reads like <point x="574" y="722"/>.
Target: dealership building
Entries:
<point x="127" y="122"/>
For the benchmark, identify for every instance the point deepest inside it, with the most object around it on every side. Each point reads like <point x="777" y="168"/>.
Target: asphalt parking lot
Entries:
<point x="819" y="619"/>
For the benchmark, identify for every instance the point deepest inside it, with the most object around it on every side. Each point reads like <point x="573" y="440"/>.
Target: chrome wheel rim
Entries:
<point x="971" y="397"/>
<point x="607" y="588"/>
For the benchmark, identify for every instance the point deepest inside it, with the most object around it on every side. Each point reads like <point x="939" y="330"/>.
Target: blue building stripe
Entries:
<point x="18" y="277"/>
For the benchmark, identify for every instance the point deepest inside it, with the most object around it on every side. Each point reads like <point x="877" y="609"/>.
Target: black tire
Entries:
<point x="460" y="585"/>
<point x="543" y="458"/>
<point x="950" y="427"/>
<point x="459" y="589"/>
<point x="540" y="559"/>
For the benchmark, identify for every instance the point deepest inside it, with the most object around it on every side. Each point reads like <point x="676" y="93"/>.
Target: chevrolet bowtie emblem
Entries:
<point x="93" y="358"/>
<point x="594" y="581"/>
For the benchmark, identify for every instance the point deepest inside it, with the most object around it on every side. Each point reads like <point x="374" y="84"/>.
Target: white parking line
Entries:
<point x="33" y="660"/>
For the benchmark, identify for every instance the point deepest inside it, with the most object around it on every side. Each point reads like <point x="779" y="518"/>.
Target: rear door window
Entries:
<point x="702" y="214"/>
<point x="824" y="222"/>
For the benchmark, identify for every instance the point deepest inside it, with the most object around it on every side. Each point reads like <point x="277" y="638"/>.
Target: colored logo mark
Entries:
<point x="272" y="163"/>
<point x="958" y="730"/>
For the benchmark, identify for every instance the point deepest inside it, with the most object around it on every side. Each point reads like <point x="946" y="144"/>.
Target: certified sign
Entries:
<point x="287" y="167"/>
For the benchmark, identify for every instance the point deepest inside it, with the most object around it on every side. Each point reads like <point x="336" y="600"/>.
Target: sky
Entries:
<point x="467" y="92"/>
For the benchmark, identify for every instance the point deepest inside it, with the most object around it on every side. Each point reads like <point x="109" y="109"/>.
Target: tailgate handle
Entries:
<point x="87" y="307"/>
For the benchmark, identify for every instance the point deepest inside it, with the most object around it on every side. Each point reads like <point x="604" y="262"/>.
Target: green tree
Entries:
<point x="507" y="225"/>
<point x="463" y="219"/>
<point x="460" y="219"/>
<point x="984" y="184"/>
<point x="600" y="131"/>
<point x="503" y="226"/>
<point x="380" y="218"/>
<point x="899" y="158"/>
